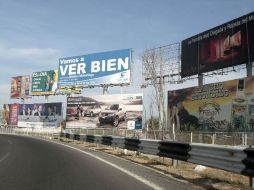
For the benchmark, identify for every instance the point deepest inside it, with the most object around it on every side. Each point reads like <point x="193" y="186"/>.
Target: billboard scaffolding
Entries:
<point x="161" y="65"/>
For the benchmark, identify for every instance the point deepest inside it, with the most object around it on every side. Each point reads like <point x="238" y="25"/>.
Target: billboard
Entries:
<point x="227" y="106"/>
<point x="111" y="67"/>
<point x="70" y="90"/>
<point x="20" y="86"/>
<point x="44" y="83"/>
<point x="5" y="114"/>
<point x="104" y="111"/>
<point x="9" y="114"/>
<point x="229" y="44"/>
<point x="40" y="115"/>
<point x="13" y="114"/>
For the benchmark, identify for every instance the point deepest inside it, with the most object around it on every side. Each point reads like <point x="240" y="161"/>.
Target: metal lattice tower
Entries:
<point x="162" y="62"/>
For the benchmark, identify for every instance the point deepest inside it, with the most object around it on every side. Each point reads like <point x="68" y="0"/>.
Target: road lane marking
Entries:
<point x="137" y="177"/>
<point x="5" y="156"/>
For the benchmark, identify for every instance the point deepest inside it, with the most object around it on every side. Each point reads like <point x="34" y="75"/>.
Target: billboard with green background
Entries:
<point x="44" y="83"/>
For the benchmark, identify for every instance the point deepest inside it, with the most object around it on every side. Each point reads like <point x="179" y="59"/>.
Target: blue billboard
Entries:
<point x="111" y="67"/>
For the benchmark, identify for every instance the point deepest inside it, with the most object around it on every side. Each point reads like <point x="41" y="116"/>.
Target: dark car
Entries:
<point x="113" y="114"/>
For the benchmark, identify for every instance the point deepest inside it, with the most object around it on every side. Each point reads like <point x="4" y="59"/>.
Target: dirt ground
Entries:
<point x="210" y="178"/>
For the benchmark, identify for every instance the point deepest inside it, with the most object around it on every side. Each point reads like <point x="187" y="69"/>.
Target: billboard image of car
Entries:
<point x="111" y="67"/>
<point x="226" y="106"/>
<point x="103" y="111"/>
<point x="229" y="44"/>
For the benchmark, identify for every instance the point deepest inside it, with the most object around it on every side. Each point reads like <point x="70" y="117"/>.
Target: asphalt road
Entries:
<point x="31" y="164"/>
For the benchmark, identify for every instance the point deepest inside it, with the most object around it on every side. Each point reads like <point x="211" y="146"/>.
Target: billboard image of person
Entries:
<point x="20" y="86"/>
<point x="40" y="115"/>
<point x="44" y="83"/>
<point x="104" y="111"/>
<point x="13" y="114"/>
<point x="25" y="86"/>
<point x="111" y="67"/>
<point x="6" y="114"/>
<point x="16" y="87"/>
<point x="226" y="106"/>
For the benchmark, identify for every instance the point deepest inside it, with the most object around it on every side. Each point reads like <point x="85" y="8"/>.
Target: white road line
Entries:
<point x="5" y="156"/>
<point x="137" y="177"/>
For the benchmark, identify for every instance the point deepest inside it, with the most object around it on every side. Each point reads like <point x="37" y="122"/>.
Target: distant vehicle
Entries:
<point x="92" y="110"/>
<point x="113" y="114"/>
<point x="71" y="112"/>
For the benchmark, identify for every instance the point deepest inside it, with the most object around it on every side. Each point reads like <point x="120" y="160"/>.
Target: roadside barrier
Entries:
<point x="222" y="157"/>
<point x="230" y="158"/>
<point x="249" y="162"/>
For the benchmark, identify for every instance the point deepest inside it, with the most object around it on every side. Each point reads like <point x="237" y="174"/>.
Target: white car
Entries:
<point x="92" y="110"/>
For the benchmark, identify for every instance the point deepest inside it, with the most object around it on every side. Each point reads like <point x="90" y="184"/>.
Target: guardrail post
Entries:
<point x="200" y="138"/>
<point x="174" y="163"/>
<point x="213" y="138"/>
<point x="246" y="139"/>
<point x="243" y="139"/>
<point x="191" y="137"/>
<point x="251" y="182"/>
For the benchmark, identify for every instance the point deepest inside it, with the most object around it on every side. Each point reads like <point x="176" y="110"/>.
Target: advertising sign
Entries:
<point x="227" y="45"/>
<point x="40" y="115"/>
<point x="44" y="83"/>
<point x="227" y="106"/>
<point x="107" y="111"/>
<point x="13" y="114"/>
<point x="95" y="69"/>
<point x="20" y="86"/>
<point x="5" y="115"/>
<point x="70" y="90"/>
<point x="9" y="115"/>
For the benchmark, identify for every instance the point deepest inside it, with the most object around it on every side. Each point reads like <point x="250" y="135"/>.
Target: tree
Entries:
<point x="153" y="68"/>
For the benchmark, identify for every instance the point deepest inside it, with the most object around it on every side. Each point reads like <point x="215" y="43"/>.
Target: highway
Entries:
<point x="30" y="164"/>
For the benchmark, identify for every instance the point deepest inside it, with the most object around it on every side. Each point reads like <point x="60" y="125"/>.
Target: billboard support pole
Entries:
<point x="200" y="80"/>
<point x="249" y="69"/>
<point x="23" y="100"/>
<point x="46" y="98"/>
<point x="121" y="89"/>
<point x="105" y="89"/>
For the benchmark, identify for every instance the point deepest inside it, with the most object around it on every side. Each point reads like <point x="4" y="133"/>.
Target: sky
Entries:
<point x="34" y="34"/>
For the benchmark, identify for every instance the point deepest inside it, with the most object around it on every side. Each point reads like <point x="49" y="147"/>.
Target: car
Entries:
<point x="71" y="111"/>
<point x="113" y="114"/>
<point x="92" y="110"/>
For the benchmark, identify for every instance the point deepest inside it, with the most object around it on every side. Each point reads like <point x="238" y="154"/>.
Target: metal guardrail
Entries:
<point x="174" y="150"/>
<point x="249" y="162"/>
<point x="217" y="156"/>
<point x="230" y="158"/>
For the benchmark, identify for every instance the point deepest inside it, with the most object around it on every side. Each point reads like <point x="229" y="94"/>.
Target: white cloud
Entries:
<point x="28" y="59"/>
<point x="9" y="53"/>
